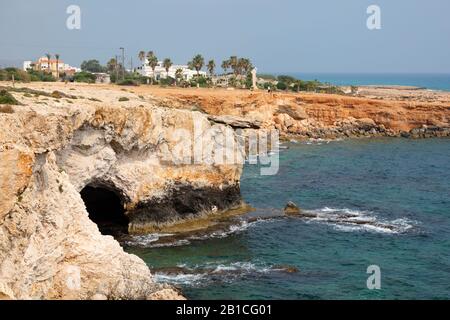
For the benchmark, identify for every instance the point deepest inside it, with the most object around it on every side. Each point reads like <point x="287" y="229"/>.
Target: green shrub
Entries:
<point x="167" y="81"/>
<point x="121" y="99"/>
<point x="128" y="82"/>
<point x="84" y="76"/>
<point x="3" y="75"/>
<point x="267" y="76"/>
<point x="282" y="86"/>
<point x="19" y="75"/>
<point x="201" y="81"/>
<point x="7" y="98"/>
<point x="40" y="76"/>
<point x="286" y="79"/>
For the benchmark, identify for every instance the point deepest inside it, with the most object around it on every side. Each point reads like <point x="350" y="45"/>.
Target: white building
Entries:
<point x="27" y="65"/>
<point x="161" y="73"/>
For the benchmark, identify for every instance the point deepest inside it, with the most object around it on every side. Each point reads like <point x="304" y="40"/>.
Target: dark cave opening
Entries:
<point x="106" y="209"/>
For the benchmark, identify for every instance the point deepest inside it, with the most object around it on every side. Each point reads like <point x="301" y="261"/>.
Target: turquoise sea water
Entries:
<point x="402" y="187"/>
<point x="423" y="80"/>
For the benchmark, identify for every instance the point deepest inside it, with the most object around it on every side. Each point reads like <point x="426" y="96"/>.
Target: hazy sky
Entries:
<point x="279" y="36"/>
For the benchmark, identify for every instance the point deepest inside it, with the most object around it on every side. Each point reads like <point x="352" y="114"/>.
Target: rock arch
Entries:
<point x="106" y="208"/>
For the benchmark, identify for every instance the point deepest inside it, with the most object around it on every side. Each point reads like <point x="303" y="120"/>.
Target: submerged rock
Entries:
<point x="291" y="209"/>
<point x="286" y="268"/>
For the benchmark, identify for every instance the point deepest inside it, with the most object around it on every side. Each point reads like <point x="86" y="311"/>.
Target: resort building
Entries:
<point x="43" y="64"/>
<point x="161" y="73"/>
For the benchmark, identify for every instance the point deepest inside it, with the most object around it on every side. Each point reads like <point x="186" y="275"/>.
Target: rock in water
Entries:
<point x="291" y="209"/>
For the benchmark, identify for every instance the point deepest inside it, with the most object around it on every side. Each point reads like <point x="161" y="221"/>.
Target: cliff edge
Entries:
<point x="57" y="143"/>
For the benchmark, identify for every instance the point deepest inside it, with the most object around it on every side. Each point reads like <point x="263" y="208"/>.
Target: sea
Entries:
<point x="432" y="81"/>
<point x="373" y="204"/>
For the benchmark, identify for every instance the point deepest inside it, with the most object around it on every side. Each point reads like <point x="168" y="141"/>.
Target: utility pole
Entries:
<point x="117" y="69"/>
<point x="131" y="64"/>
<point x="123" y="62"/>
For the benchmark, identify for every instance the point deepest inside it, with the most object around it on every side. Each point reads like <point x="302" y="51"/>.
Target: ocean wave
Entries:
<point x="151" y="241"/>
<point x="320" y="141"/>
<point x="145" y="240"/>
<point x="201" y="275"/>
<point x="180" y="279"/>
<point x="154" y="240"/>
<point x="232" y="229"/>
<point x="242" y="267"/>
<point x="349" y="220"/>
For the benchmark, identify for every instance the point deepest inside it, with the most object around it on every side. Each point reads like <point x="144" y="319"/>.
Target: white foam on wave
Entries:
<point x="180" y="278"/>
<point x="349" y="220"/>
<point x="200" y="275"/>
<point x="235" y="228"/>
<point x="244" y="267"/>
<point x="146" y="240"/>
<point x="320" y="141"/>
<point x="150" y="240"/>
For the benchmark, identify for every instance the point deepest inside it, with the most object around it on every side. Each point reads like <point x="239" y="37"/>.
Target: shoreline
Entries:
<point x="120" y="141"/>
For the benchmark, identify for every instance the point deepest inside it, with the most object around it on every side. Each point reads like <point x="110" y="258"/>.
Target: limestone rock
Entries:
<point x="166" y="294"/>
<point x="291" y="209"/>
<point x="49" y="247"/>
<point x="236" y="122"/>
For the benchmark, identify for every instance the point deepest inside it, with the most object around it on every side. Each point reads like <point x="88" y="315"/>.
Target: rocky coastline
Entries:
<point x="374" y="112"/>
<point x="64" y="142"/>
<point x="59" y="148"/>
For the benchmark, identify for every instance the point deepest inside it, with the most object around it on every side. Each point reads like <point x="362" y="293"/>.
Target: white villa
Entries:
<point x="161" y="73"/>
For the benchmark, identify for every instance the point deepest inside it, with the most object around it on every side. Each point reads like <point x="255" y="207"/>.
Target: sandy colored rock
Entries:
<point x="291" y="209"/>
<point x="166" y="294"/>
<point x="389" y="110"/>
<point x="50" y="149"/>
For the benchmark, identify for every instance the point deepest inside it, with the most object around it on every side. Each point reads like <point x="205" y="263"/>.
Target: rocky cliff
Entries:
<point x="376" y="112"/>
<point x="57" y="143"/>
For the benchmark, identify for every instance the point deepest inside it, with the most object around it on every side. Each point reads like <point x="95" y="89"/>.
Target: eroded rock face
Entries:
<point x="49" y="248"/>
<point x="421" y="114"/>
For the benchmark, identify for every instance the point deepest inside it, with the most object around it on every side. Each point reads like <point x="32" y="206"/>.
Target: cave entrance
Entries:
<point x="105" y="208"/>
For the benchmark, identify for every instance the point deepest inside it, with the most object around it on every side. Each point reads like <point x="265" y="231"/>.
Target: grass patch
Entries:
<point x="55" y="94"/>
<point x="58" y="95"/>
<point x="7" y="98"/>
<point x="121" y="99"/>
<point x="95" y="99"/>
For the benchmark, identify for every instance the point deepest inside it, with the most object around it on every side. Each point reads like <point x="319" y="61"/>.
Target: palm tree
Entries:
<point x="111" y="65"/>
<point x="167" y="63"/>
<point x="233" y="62"/>
<point x="57" y="65"/>
<point x="225" y="65"/>
<point x="211" y="66"/>
<point x="244" y="66"/>
<point x="152" y="62"/>
<point x="178" y="74"/>
<point x="141" y="56"/>
<point x="48" y="55"/>
<point x="197" y="63"/>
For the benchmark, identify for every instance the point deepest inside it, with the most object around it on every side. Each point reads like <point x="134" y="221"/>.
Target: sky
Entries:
<point x="326" y="36"/>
